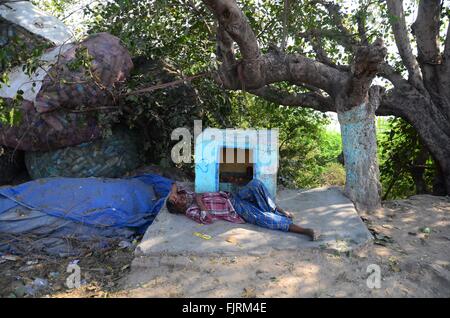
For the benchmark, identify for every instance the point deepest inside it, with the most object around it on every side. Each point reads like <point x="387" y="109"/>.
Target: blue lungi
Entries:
<point x="256" y="206"/>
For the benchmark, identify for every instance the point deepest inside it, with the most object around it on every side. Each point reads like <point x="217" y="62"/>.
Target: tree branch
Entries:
<point x="315" y="39"/>
<point x="225" y="51"/>
<point x="313" y="100"/>
<point x="426" y="31"/>
<point x="285" y="24"/>
<point x="398" y="23"/>
<point x="236" y="24"/>
<point x="362" y="27"/>
<point x="391" y="103"/>
<point x="388" y="72"/>
<point x="255" y="70"/>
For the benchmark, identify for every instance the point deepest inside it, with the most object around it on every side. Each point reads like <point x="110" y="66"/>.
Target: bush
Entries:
<point x="333" y="175"/>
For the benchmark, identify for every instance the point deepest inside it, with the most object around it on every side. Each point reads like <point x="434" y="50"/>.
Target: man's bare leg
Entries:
<point x="313" y="234"/>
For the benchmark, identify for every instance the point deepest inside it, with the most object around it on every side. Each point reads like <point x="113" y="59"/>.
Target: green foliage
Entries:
<point x="401" y="153"/>
<point x="176" y="38"/>
<point x="19" y="48"/>
<point x="333" y="175"/>
<point x="168" y="40"/>
<point x="182" y="32"/>
<point x="305" y="147"/>
<point x="156" y="114"/>
<point x="57" y="8"/>
<point x="9" y="111"/>
<point x="82" y="61"/>
<point x="159" y="29"/>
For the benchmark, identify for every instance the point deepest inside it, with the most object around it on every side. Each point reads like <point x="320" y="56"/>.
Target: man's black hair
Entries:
<point x="171" y="207"/>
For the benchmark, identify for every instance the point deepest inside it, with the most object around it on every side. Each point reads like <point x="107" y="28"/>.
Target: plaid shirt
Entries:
<point x="218" y="207"/>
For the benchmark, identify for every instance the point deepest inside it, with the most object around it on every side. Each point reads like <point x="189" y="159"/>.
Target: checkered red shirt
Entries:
<point x="218" y="207"/>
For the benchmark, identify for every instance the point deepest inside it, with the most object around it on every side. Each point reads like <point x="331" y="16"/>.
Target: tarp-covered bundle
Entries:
<point x="52" y="214"/>
<point x="50" y="113"/>
<point x="112" y="156"/>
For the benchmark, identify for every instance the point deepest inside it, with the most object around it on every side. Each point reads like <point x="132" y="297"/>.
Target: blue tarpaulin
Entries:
<point x="55" y="209"/>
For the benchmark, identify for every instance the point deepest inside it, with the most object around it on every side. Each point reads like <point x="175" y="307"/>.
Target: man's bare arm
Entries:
<point x="198" y="200"/>
<point x="286" y="213"/>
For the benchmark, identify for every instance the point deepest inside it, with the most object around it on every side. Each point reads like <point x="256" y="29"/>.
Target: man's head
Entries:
<point x="176" y="202"/>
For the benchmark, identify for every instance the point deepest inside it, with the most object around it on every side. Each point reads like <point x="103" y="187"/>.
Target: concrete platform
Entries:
<point x="326" y="209"/>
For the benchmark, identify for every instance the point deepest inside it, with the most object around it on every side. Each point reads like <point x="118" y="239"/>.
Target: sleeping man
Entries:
<point x="251" y="204"/>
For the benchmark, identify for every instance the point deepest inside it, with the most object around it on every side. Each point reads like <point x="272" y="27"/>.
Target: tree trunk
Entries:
<point x="434" y="129"/>
<point x="439" y="187"/>
<point x="443" y="162"/>
<point x="359" y="144"/>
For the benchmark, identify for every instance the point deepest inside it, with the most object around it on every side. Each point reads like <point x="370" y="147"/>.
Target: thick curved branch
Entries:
<point x="255" y="70"/>
<point x="398" y="23"/>
<point x="426" y="31"/>
<point x="236" y="24"/>
<point x="277" y="67"/>
<point x="225" y="51"/>
<point x="388" y="72"/>
<point x="313" y="100"/>
<point x="391" y="103"/>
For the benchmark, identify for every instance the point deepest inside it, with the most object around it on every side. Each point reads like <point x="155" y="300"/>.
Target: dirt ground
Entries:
<point x="411" y="248"/>
<point x="39" y="275"/>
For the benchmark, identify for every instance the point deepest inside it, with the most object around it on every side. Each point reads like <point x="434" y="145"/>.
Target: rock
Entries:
<point x="18" y="289"/>
<point x="126" y="244"/>
<point x="425" y="230"/>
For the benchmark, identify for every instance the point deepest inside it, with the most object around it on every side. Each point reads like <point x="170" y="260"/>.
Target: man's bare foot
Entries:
<point x="313" y="234"/>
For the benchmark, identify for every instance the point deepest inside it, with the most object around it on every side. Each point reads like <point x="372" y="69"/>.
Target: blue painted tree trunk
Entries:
<point x="359" y="144"/>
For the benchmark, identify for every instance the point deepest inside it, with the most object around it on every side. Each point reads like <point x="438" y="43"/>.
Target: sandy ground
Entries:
<point x="412" y="249"/>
